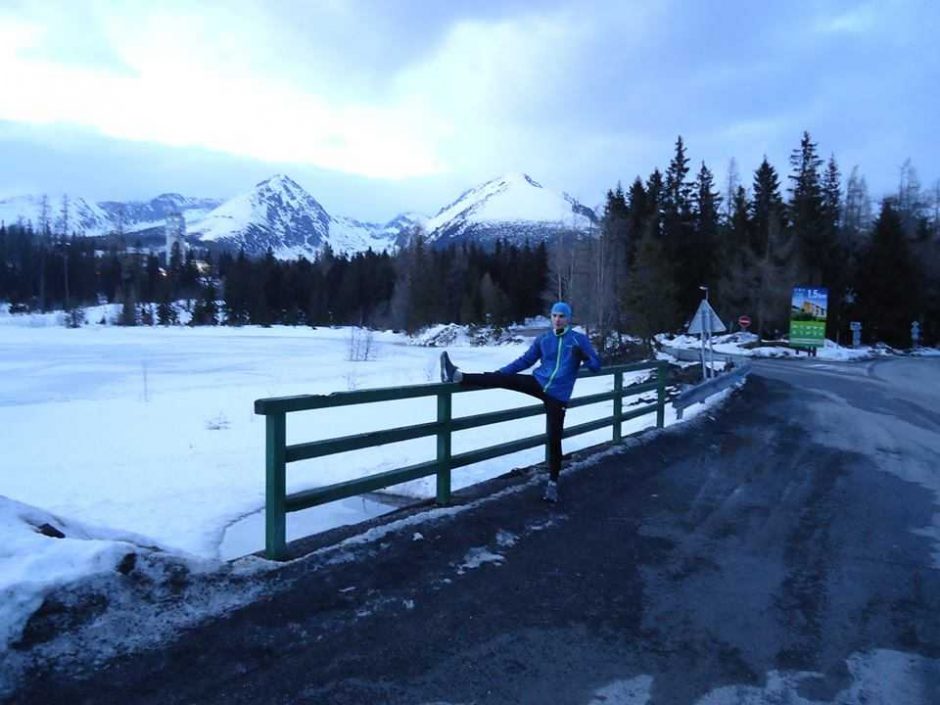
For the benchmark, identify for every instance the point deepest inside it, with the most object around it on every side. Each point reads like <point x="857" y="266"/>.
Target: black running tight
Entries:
<point x="527" y="384"/>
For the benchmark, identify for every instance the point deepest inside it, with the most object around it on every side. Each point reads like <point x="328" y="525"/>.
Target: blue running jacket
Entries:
<point x="561" y="355"/>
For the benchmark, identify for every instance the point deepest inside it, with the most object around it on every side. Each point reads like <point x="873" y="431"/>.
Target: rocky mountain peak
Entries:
<point x="279" y="214"/>
<point x="515" y="207"/>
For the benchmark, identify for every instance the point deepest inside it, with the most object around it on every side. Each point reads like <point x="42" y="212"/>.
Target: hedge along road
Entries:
<point x="783" y="550"/>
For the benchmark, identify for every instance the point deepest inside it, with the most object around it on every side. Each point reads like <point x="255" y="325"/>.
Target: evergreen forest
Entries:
<point x="657" y="244"/>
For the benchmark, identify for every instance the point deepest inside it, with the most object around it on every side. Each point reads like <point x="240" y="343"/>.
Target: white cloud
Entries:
<point x="858" y="20"/>
<point x="183" y="82"/>
<point x="486" y="87"/>
<point x="578" y="94"/>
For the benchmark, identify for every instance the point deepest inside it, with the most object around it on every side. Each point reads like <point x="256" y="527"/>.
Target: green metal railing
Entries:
<point x="278" y="454"/>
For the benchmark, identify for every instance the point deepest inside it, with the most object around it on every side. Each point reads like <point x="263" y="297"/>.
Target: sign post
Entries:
<point x="808" y="310"/>
<point x="856" y="328"/>
<point x="704" y="323"/>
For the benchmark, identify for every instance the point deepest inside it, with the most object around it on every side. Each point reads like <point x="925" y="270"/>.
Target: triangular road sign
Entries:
<point x="706" y="320"/>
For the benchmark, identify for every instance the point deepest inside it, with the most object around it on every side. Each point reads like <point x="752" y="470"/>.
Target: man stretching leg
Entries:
<point x="561" y="351"/>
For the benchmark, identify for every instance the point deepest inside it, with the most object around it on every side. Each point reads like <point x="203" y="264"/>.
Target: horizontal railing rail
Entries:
<point x="694" y="394"/>
<point x="278" y="453"/>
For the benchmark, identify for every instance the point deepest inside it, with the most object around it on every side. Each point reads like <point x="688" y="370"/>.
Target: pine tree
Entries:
<point x="611" y="262"/>
<point x="774" y="273"/>
<point x="806" y="211"/>
<point x="910" y="201"/>
<point x="495" y="301"/>
<point x="857" y="215"/>
<point x="678" y="229"/>
<point x="110" y="274"/>
<point x="206" y="310"/>
<point x="45" y="218"/>
<point x="832" y="196"/>
<point x="563" y="263"/>
<point x="677" y="194"/>
<point x="836" y="269"/>
<point x="151" y="280"/>
<point x="767" y="210"/>
<point x="237" y="284"/>
<point x="65" y="216"/>
<point x="637" y="214"/>
<point x="705" y="228"/>
<point x="166" y="312"/>
<point x="889" y="288"/>
<point x="732" y="183"/>
<point x="736" y="258"/>
<point x="651" y="300"/>
<point x="176" y="260"/>
<point x="773" y="261"/>
<point x="210" y="304"/>
<point x="653" y="216"/>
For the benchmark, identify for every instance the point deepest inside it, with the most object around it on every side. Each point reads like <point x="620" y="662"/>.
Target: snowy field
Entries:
<point x="746" y="344"/>
<point x="146" y="438"/>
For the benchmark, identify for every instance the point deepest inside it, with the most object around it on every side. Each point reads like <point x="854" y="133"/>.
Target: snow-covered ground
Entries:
<point x="747" y="344"/>
<point x="144" y="439"/>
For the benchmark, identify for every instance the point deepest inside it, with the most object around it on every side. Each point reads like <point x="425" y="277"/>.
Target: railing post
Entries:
<point x="548" y="436"/>
<point x="662" y="369"/>
<point x="443" y="447"/>
<point x="275" y="487"/>
<point x="618" y="405"/>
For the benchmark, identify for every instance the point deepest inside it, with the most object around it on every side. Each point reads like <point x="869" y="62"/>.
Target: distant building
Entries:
<point x="175" y="231"/>
<point x="814" y="309"/>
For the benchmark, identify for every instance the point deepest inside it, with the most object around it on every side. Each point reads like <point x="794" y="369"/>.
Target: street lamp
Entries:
<point x="705" y="289"/>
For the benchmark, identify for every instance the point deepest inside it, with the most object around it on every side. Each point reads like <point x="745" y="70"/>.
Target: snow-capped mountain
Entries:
<point x="134" y="216"/>
<point x="86" y="217"/>
<point x="515" y="207"/>
<point x="400" y="228"/>
<point x="83" y="216"/>
<point x="279" y="214"/>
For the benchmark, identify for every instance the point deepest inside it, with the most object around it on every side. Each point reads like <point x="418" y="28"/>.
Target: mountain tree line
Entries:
<point x="666" y="238"/>
<point x="659" y="243"/>
<point x="417" y="286"/>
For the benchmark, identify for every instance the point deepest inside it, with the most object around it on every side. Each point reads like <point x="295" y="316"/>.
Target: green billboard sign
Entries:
<point x="808" y="309"/>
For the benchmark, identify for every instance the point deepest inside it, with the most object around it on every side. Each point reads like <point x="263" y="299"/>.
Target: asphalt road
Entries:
<point x="785" y="550"/>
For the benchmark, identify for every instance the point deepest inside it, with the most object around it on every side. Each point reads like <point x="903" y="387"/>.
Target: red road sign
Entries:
<point x="744" y="321"/>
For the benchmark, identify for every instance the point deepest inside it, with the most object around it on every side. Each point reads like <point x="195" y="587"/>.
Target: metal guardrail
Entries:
<point x="278" y="454"/>
<point x="695" y="354"/>
<point x="699" y="392"/>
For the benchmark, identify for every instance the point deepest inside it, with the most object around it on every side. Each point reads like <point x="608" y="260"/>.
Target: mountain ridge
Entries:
<point x="514" y="205"/>
<point x="278" y="214"/>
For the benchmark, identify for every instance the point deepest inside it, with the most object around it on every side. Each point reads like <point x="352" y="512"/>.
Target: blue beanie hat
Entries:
<point x="562" y="308"/>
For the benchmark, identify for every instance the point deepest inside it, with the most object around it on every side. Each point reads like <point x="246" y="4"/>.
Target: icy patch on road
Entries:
<point x="478" y="556"/>
<point x="343" y="551"/>
<point x="879" y="677"/>
<point x="892" y="442"/>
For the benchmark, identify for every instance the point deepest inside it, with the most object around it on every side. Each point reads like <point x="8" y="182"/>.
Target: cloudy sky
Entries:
<point x="379" y="106"/>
